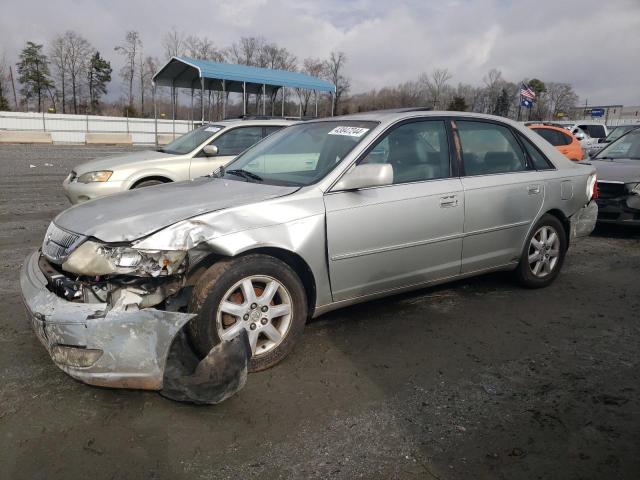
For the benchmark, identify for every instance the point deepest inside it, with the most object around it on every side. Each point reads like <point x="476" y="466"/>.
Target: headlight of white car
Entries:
<point x="636" y="189"/>
<point x="92" y="258"/>
<point x="99" y="176"/>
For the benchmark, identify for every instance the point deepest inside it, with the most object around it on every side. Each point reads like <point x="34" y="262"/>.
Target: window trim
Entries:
<point x="514" y="132"/>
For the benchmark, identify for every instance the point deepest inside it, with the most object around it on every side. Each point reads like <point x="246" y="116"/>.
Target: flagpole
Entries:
<point x="519" y="107"/>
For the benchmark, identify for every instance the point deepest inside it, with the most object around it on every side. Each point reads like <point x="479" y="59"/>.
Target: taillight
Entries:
<point x="592" y="187"/>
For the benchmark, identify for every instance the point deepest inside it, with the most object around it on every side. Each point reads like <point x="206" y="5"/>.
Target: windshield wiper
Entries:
<point x="244" y="174"/>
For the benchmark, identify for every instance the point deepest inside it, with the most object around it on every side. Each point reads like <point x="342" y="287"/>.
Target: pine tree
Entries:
<point x="35" y="78"/>
<point x="98" y="75"/>
<point x="502" y="104"/>
<point x="4" y="103"/>
<point x="458" y="104"/>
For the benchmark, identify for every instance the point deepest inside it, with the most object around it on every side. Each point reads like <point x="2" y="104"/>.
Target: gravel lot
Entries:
<point x="478" y="379"/>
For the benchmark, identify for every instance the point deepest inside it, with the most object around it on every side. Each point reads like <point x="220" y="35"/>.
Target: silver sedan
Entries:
<point x="318" y="216"/>
<point x="192" y="155"/>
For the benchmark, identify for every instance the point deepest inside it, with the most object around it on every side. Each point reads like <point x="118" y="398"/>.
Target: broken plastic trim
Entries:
<point x="218" y="376"/>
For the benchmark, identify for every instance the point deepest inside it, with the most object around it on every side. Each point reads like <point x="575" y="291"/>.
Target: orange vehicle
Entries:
<point x="561" y="138"/>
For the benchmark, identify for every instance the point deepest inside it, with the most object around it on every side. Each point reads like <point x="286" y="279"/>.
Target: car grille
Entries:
<point x="59" y="243"/>
<point x="611" y="190"/>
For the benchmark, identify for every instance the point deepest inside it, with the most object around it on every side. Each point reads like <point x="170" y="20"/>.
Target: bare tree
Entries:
<point x="434" y="85"/>
<point x="78" y="53"/>
<point x="202" y="48"/>
<point x="4" y="102"/>
<point x="493" y="86"/>
<point x="129" y="49"/>
<point x="313" y="67"/>
<point x="561" y="98"/>
<point x="58" y="56"/>
<point x="334" y="72"/>
<point x="173" y="43"/>
<point x="246" y="51"/>
<point x="147" y="66"/>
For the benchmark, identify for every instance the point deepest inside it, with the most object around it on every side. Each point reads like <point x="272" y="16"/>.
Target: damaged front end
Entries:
<point x="112" y="315"/>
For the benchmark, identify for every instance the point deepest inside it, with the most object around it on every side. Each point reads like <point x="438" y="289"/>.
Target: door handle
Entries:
<point x="449" y="201"/>
<point x="533" y="189"/>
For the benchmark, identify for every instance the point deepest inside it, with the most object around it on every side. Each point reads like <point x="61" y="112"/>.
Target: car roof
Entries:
<point x="252" y="121"/>
<point x="549" y="126"/>
<point x="392" y="115"/>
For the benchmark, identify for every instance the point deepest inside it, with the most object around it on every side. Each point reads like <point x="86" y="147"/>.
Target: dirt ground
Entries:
<point x="477" y="379"/>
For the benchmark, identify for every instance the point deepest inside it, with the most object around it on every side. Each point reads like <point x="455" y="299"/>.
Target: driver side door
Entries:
<point x="408" y="233"/>
<point x="230" y="144"/>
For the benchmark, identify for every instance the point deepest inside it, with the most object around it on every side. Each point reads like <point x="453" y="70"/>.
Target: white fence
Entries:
<point x="65" y="128"/>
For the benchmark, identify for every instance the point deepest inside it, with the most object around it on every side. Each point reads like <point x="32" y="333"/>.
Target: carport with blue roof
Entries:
<point x="206" y="75"/>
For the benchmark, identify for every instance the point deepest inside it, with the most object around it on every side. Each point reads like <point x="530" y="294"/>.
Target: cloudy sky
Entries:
<point x="592" y="44"/>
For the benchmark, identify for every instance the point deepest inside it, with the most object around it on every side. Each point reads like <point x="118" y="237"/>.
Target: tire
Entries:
<point x="536" y="270"/>
<point x="147" y="183"/>
<point x="221" y="290"/>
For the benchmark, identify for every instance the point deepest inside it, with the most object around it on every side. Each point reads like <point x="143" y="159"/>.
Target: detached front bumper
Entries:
<point x="584" y="221"/>
<point x="78" y="192"/>
<point x="98" y="345"/>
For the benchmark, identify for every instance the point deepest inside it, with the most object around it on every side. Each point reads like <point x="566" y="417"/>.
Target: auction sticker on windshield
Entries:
<point x="349" y="131"/>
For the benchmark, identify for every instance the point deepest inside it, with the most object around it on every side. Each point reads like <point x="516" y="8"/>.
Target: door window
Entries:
<point x="269" y="130"/>
<point x="417" y="151"/>
<point x="488" y="148"/>
<point x="238" y="140"/>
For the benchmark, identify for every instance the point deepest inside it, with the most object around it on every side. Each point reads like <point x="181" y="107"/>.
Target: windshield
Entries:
<point x="618" y="132"/>
<point x="299" y="155"/>
<point x="189" y="141"/>
<point x="627" y="146"/>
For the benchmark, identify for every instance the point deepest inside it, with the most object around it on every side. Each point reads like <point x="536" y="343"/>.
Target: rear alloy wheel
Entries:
<point x="544" y="253"/>
<point x="256" y="293"/>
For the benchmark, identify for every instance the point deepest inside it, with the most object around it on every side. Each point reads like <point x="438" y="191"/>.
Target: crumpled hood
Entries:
<point x="115" y="161"/>
<point x="130" y="215"/>
<point x="619" y="170"/>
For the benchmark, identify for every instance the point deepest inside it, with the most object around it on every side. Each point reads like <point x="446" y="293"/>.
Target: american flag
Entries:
<point x="526" y="92"/>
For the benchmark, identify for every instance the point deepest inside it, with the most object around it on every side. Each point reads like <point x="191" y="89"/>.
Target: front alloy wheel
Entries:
<point x="262" y="306"/>
<point x="257" y="293"/>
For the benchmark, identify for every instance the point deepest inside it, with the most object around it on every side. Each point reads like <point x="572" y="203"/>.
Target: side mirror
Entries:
<point x="210" y="151"/>
<point x="580" y="136"/>
<point x="367" y="175"/>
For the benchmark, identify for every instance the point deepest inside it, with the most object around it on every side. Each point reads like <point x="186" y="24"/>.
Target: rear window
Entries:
<point x="554" y="137"/>
<point x="539" y="161"/>
<point x="594" y="131"/>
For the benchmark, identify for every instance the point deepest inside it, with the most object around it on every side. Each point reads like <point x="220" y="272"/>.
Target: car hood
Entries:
<point x="618" y="170"/>
<point x="115" y="161"/>
<point x="134" y="214"/>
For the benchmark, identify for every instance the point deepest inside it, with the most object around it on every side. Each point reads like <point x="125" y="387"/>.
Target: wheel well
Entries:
<point x="155" y="177"/>
<point x="564" y="221"/>
<point x="295" y="261"/>
<point x="298" y="264"/>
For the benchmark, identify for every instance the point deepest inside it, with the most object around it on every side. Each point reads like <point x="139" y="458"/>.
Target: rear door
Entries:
<point x="384" y="238"/>
<point x="503" y="194"/>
